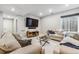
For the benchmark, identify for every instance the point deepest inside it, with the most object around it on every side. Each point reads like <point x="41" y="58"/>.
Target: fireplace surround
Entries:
<point x="32" y="33"/>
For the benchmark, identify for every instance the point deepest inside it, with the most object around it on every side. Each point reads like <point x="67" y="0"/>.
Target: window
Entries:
<point x="70" y="23"/>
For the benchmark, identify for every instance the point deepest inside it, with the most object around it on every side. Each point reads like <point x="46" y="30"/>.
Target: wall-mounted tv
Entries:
<point x="30" y="22"/>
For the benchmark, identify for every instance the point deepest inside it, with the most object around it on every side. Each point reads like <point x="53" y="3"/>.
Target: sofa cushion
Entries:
<point x="31" y="49"/>
<point x="9" y="43"/>
<point x="56" y="37"/>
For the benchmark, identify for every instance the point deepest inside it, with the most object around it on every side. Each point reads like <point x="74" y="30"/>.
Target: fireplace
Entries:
<point x="32" y="33"/>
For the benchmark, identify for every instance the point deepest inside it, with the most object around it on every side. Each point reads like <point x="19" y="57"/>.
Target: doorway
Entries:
<point x="8" y="25"/>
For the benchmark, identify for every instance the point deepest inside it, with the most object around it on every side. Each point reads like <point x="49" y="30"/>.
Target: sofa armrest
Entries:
<point x="30" y="49"/>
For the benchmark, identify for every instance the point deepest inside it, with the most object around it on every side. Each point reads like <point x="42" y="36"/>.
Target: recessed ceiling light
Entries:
<point x="50" y="10"/>
<point x="66" y="5"/>
<point x="12" y="9"/>
<point x="41" y="14"/>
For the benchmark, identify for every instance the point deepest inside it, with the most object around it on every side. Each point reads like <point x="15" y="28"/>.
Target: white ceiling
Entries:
<point x="35" y="9"/>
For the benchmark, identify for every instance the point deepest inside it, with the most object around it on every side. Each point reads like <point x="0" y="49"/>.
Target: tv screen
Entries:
<point x="30" y="22"/>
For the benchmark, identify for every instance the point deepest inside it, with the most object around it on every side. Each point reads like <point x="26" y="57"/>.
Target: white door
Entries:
<point x="8" y="25"/>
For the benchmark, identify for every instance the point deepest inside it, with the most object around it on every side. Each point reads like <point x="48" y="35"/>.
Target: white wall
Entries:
<point x="54" y="21"/>
<point x="19" y="23"/>
<point x="1" y="22"/>
<point x="51" y="22"/>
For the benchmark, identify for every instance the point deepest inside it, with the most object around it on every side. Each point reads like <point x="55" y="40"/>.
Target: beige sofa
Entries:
<point x="56" y="37"/>
<point x="31" y="49"/>
<point x="9" y="45"/>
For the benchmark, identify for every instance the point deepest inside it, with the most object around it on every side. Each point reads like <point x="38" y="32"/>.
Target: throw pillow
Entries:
<point x="9" y="43"/>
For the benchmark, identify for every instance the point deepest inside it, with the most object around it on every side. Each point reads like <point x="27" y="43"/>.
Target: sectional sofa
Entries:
<point x="9" y="45"/>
